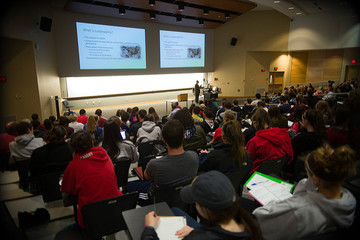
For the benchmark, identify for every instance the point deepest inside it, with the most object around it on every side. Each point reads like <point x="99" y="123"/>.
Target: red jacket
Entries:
<point x="82" y="119"/>
<point x="269" y="144"/>
<point x="91" y="177"/>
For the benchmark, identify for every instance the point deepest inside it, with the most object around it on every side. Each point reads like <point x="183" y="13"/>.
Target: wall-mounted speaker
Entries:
<point x="45" y="24"/>
<point x="233" y="41"/>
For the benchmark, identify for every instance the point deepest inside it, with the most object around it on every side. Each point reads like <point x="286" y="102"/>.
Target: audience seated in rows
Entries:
<point x="220" y="119"/>
<point x="228" y="116"/>
<point x="319" y="204"/>
<point x="64" y="121"/>
<point x="228" y="155"/>
<point x="257" y="99"/>
<point x="124" y="119"/>
<point x="134" y="115"/>
<point x="52" y="157"/>
<point x="235" y="106"/>
<point x="268" y="143"/>
<point x="116" y="147"/>
<point x="148" y="131"/>
<point x="195" y="114"/>
<point x="284" y="107"/>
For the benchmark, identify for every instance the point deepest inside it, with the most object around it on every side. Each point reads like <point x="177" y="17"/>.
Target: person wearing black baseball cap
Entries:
<point x="216" y="201"/>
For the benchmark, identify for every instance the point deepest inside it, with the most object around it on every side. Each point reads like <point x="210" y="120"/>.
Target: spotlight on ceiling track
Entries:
<point x="178" y="18"/>
<point x="181" y="6"/>
<point x="206" y="11"/>
<point x="152" y="15"/>
<point x="121" y="10"/>
<point x="152" y="3"/>
<point x="201" y="21"/>
<point x="227" y="15"/>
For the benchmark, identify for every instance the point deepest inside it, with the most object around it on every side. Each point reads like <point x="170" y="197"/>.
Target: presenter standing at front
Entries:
<point x="197" y="91"/>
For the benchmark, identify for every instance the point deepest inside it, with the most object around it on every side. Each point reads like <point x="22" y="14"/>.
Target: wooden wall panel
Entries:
<point x="332" y="65"/>
<point x="315" y="66"/>
<point x="298" y="67"/>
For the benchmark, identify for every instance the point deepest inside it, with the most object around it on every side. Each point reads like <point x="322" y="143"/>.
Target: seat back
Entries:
<point x="171" y="195"/>
<point x="49" y="186"/>
<point x="274" y="166"/>
<point x="238" y="179"/>
<point x="154" y="148"/>
<point x="105" y="217"/>
<point x="122" y="171"/>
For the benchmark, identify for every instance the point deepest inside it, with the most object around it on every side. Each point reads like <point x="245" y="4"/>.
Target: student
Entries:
<point x="90" y="176"/>
<point x="229" y="155"/>
<point x="325" y="110"/>
<point x="195" y="113"/>
<point x="284" y="107"/>
<point x="257" y="99"/>
<point x="114" y="144"/>
<point x="195" y="138"/>
<point x="220" y="118"/>
<point x="101" y="120"/>
<point x="268" y="143"/>
<point x="155" y="114"/>
<point x="235" y="106"/>
<point x="148" y="131"/>
<point x="216" y="201"/>
<point x="74" y="124"/>
<point x="82" y="118"/>
<point x="92" y="127"/>
<point x="54" y="156"/>
<point x="320" y="204"/>
<point x="277" y="119"/>
<point x="124" y="119"/>
<point x="137" y="125"/>
<point x="208" y="124"/>
<point x="218" y="134"/>
<point x="178" y="166"/>
<point x="339" y="133"/>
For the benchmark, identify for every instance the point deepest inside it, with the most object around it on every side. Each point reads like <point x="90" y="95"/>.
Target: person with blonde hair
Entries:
<point x="77" y="126"/>
<point x="92" y="127"/>
<point x="320" y="204"/>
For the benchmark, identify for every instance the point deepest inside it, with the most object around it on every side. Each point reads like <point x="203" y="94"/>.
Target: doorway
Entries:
<point x="276" y="80"/>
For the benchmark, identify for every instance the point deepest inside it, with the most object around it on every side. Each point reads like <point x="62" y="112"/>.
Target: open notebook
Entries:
<point x="265" y="189"/>
<point x="167" y="227"/>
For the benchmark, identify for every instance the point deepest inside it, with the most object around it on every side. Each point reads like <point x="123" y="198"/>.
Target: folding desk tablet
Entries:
<point x="135" y="218"/>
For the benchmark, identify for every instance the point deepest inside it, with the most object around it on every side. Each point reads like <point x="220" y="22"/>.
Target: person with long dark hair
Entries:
<point x="216" y="201"/>
<point x="229" y="154"/>
<point x="313" y="137"/>
<point x="115" y="145"/>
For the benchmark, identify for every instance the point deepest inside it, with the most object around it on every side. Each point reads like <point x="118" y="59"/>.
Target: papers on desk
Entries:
<point x="265" y="189"/>
<point x="167" y="227"/>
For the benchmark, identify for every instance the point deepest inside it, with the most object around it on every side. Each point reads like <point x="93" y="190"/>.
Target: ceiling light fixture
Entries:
<point x="121" y="10"/>
<point x="298" y="13"/>
<point x="201" y="21"/>
<point x="206" y="11"/>
<point x="152" y="15"/>
<point x="152" y="3"/>
<point x="227" y="15"/>
<point x="181" y="6"/>
<point x="276" y="1"/>
<point x="291" y="8"/>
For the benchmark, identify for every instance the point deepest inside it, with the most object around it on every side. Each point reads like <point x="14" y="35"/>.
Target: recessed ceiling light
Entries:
<point x="276" y="1"/>
<point x="298" y="13"/>
<point x="291" y="8"/>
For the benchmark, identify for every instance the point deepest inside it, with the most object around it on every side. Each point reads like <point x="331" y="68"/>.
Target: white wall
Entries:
<point x="324" y="31"/>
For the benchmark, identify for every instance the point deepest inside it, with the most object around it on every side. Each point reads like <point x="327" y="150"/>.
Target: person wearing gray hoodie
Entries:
<point x="319" y="204"/>
<point x="21" y="149"/>
<point x="148" y="131"/>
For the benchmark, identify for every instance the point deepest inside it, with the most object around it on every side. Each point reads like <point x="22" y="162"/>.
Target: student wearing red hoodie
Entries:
<point x="268" y="143"/>
<point x="90" y="175"/>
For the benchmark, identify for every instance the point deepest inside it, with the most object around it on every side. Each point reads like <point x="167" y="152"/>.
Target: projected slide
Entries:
<point x="110" y="47"/>
<point x="182" y="49"/>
